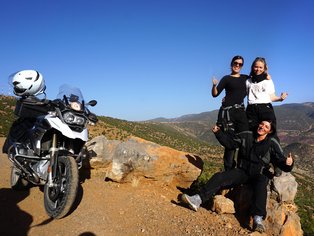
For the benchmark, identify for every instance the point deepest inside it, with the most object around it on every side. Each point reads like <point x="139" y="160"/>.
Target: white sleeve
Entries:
<point x="270" y="87"/>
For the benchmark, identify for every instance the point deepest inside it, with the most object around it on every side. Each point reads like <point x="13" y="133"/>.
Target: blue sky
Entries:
<point x="143" y="59"/>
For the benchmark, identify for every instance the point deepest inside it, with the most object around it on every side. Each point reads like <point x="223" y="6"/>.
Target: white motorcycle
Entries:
<point x="46" y="146"/>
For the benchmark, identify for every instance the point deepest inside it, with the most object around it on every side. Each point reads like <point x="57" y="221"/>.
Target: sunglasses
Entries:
<point x="237" y="64"/>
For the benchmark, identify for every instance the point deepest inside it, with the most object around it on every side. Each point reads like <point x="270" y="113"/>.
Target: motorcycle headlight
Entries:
<point x="73" y="119"/>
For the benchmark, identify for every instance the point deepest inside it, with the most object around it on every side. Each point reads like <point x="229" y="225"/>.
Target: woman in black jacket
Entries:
<point x="256" y="153"/>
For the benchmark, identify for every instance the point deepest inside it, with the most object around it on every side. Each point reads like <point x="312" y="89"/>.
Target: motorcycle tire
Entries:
<point x="59" y="199"/>
<point x="16" y="180"/>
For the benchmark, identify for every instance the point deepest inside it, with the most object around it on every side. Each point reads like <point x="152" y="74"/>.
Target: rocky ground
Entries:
<point x="107" y="208"/>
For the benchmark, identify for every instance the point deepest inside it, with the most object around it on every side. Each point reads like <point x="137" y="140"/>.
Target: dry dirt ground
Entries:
<point x="107" y="208"/>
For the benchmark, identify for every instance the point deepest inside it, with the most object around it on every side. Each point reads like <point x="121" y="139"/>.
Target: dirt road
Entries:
<point x="107" y="208"/>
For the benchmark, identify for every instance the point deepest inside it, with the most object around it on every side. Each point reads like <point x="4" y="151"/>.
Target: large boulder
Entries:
<point x="137" y="160"/>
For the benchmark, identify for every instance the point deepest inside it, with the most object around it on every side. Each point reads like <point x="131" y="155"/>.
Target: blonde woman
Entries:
<point x="260" y="94"/>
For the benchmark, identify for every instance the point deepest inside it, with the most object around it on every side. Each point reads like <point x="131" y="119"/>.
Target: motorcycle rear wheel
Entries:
<point x="16" y="180"/>
<point x="58" y="200"/>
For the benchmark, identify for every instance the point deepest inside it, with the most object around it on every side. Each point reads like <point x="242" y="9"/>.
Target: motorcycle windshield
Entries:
<point x="72" y="94"/>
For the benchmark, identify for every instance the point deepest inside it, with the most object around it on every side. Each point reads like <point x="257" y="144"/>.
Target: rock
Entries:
<point x="282" y="218"/>
<point x="142" y="160"/>
<point x="285" y="187"/>
<point x="292" y="226"/>
<point x="223" y="205"/>
<point x="99" y="163"/>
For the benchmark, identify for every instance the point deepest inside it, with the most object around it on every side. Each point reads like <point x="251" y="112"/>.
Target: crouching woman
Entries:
<point x="256" y="152"/>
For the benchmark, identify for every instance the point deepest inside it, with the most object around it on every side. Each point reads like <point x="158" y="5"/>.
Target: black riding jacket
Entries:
<point x="254" y="157"/>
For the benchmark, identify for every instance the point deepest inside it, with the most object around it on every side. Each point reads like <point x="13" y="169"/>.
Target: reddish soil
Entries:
<point x="107" y="208"/>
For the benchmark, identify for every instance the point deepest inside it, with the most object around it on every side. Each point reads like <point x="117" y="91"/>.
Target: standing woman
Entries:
<point x="232" y="117"/>
<point x="261" y="92"/>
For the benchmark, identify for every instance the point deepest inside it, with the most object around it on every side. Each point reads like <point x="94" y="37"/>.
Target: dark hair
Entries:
<point x="261" y="59"/>
<point x="236" y="58"/>
<point x="273" y="126"/>
<point x="272" y="122"/>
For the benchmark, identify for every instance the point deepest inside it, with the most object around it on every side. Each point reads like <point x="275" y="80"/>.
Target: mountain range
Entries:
<point x="294" y="123"/>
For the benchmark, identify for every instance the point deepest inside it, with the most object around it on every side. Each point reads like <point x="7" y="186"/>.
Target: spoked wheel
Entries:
<point x="59" y="199"/>
<point x="16" y="180"/>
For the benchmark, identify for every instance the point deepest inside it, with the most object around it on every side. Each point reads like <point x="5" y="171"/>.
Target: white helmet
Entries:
<point x="28" y="83"/>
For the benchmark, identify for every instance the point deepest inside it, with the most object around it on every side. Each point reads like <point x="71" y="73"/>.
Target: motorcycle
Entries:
<point x="46" y="146"/>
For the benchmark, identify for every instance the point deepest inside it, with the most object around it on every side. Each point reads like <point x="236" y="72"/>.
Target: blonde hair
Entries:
<point x="260" y="59"/>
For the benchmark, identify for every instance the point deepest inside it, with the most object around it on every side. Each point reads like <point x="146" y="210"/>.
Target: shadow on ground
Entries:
<point x="14" y="221"/>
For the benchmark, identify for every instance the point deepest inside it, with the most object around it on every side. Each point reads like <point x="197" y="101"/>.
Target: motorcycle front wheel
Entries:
<point x="59" y="199"/>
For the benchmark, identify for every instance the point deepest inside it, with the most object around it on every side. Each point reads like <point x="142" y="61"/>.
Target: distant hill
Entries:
<point x="295" y="123"/>
<point x="7" y="105"/>
<point x="303" y="154"/>
<point x="196" y="125"/>
<point x="204" y="116"/>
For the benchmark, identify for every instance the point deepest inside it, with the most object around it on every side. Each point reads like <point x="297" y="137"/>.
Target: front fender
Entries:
<point x="57" y="124"/>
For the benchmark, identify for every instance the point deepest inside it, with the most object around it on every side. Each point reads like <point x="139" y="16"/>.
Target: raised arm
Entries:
<point x="225" y="139"/>
<point x="271" y="91"/>
<point x="284" y="163"/>
<point x="275" y="98"/>
<point x="214" y="88"/>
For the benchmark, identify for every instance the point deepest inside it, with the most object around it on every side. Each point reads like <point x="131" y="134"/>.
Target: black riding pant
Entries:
<point x="234" y="177"/>
<point x="232" y="120"/>
<point x="259" y="112"/>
